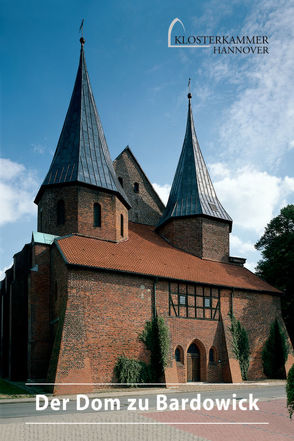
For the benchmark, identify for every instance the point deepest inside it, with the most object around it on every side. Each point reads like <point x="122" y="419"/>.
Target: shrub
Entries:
<point x="130" y="371"/>
<point x="156" y="338"/>
<point x="290" y="391"/>
<point x="275" y="352"/>
<point x="240" y="345"/>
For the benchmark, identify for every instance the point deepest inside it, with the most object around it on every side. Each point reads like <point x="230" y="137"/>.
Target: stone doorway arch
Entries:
<point x="193" y="363"/>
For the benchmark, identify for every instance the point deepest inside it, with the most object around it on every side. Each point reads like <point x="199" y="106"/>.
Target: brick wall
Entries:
<point x="18" y="315"/>
<point x="38" y="313"/>
<point x="204" y="237"/>
<point x="215" y="240"/>
<point x="79" y="212"/>
<point x="147" y="207"/>
<point x="5" y="322"/>
<point x="256" y="311"/>
<point x="105" y="313"/>
<point x="184" y="331"/>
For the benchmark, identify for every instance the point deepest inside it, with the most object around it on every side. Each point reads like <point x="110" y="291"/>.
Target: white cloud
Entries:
<point x="258" y="125"/>
<point x="163" y="191"/>
<point x="39" y="148"/>
<point x="250" y="265"/>
<point x="17" y="190"/>
<point x="239" y="247"/>
<point x="250" y="196"/>
<point x="2" y="271"/>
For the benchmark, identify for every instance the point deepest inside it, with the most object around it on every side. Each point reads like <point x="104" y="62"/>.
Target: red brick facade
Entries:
<point x="201" y="236"/>
<point x="102" y="314"/>
<point x="79" y="203"/>
<point x="72" y="304"/>
<point x="147" y="207"/>
<point x="81" y="319"/>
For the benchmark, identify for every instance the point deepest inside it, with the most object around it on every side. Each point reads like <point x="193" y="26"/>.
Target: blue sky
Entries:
<point x="243" y="104"/>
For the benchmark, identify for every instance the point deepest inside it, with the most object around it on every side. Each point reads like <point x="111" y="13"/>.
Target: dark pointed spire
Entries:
<point x="192" y="191"/>
<point x="82" y="154"/>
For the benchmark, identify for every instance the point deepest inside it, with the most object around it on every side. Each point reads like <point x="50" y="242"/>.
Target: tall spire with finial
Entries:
<point x="192" y="191"/>
<point x="82" y="153"/>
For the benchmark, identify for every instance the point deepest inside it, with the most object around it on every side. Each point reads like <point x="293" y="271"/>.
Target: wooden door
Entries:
<point x="193" y="367"/>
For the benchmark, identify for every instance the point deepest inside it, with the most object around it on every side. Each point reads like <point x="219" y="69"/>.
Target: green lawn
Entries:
<point x="6" y="388"/>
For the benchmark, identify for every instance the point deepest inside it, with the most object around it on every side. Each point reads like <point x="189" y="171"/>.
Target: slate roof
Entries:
<point x="192" y="191"/>
<point x="146" y="253"/>
<point x="82" y="154"/>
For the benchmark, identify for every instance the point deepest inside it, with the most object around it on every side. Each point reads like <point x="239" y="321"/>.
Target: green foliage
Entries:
<point x="275" y="352"/>
<point x="156" y="338"/>
<point x="276" y="267"/>
<point x="130" y="371"/>
<point x="10" y="389"/>
<point x="240" y="345"/>
<point x="290" y="391"/>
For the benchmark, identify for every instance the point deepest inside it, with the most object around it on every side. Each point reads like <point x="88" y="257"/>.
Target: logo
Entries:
<point x="220" y="44"/>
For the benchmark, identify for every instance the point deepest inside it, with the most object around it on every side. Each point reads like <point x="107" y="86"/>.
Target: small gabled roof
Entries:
<point x="44" y="238"/>
<point x="128" y="150"/>
<point x="82" y="153"/>
<point x="192" y="191"/>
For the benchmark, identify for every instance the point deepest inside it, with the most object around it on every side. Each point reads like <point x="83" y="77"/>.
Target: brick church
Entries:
<point x="108" y="255"/>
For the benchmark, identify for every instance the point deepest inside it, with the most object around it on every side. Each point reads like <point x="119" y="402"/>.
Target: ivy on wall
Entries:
<point x="275" y="352"/>
<point x="156" y="339"/>
<point x="240" y="345"/>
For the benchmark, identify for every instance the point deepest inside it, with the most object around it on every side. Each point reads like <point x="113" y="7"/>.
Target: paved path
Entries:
<point x="154" y="425"/>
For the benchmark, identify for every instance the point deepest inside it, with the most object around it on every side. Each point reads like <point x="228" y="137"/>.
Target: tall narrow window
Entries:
<point x="136" y="187"/>
<point x="121" y="181"/>
<point x="97" y="215"/>
<point x="121" y="225"/>
<point x="60" y="212"/>
<point x="212" y="357"/>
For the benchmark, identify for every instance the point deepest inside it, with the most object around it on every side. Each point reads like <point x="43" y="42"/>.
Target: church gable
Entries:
<point x="147" y="207"/>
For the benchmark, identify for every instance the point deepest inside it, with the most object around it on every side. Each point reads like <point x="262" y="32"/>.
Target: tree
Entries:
<point x="277" y="263"/>
<point x="275" y="352"/>
<point x="290" y="391"/>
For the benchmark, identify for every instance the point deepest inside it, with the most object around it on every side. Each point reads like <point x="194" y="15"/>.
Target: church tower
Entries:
<point x="194" y="219"/>
<point x="81" y="192"/>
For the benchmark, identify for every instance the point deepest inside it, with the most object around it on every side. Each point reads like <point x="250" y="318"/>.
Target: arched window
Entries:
<point x="179" y="354"/>
<point x="193" y="349"/>
<point x="211" y="355"/>
<point x="136" y="187"/>
<point x="121" y="181"/>
<point x="60" y="212"/>
<point x="97" y="214"/>
<point x="121" y="225"/>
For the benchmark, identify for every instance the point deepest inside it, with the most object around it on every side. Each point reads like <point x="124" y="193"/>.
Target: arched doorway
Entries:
<point x="193" y="363"/>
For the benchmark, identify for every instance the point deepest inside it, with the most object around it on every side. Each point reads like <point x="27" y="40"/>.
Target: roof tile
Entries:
<point x="145" y="252"/>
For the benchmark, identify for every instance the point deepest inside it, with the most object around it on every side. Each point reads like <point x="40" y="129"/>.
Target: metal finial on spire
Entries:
<point x="82" y="40"/>
<point x="189" y="89"/>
